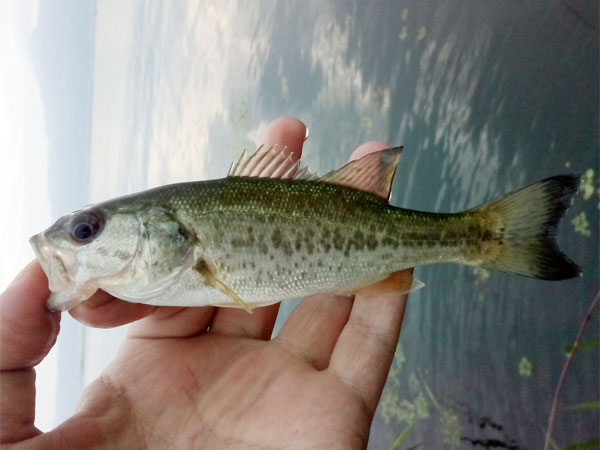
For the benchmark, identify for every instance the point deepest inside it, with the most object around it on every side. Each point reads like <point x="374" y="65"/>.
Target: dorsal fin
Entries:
<point x="269" y="163"/>
<point x="373" y="173"/>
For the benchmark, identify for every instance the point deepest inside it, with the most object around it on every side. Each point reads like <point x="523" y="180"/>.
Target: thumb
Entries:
<point x="27" y="333"/>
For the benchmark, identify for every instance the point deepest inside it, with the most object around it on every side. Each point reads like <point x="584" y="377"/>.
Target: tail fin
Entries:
<point x="528" y="220"/>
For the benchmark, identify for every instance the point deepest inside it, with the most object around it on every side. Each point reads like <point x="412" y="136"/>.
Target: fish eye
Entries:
<point x="85" y="227"/>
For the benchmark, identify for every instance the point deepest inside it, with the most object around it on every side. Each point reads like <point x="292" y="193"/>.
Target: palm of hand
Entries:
<point x="215" y="391"/>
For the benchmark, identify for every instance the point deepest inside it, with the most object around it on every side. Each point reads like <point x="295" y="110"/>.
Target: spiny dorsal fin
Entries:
<point x="373" y="173"/>
<point x="269" y="163"/>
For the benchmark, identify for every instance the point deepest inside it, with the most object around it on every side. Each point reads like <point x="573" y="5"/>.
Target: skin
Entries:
<point x="207" y="377"/>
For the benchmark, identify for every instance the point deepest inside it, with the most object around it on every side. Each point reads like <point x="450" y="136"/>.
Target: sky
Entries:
<point x="23" y="163"/>
<point x="23" y="141"/>
<point x="45" y="116"/>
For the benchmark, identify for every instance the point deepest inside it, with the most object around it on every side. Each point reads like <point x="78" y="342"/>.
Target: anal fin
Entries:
<point x="396" y="283"/>
<point x="204" y="269"/>
<point x="254" y="305"/>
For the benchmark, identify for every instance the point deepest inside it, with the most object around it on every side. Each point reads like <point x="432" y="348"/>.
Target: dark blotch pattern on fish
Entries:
<point x="287" y="248"/>
<point x="390" y="242"/>
<point x="372" y="242"/>
<point x="276" y="238"/>
<point x="338" y="239"/>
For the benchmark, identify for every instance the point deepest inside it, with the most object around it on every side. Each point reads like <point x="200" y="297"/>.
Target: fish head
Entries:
<point x="132" y="252"/>
<point x="84" y="250"/>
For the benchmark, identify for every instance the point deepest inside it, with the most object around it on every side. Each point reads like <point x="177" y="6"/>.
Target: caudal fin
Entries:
<point x="528" y="221"/>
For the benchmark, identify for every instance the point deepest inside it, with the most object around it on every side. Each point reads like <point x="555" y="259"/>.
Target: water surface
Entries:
<point x="485" y="96"/>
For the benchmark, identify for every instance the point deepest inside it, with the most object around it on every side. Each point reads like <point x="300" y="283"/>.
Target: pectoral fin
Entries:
<point x="396" y="283"/>
<point x="209" y="274"/>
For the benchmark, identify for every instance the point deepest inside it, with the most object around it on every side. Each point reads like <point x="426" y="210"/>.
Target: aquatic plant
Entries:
<point x="525" y="367"/>
<point x="451" y="426"/>
<point x="402" y="411"/>
<point x="482" y="274"/>
<point x="587" y="187"/>
<point x="581" y="224"/>
<point x="403" y="33"/>
<point x="591" y="443"/>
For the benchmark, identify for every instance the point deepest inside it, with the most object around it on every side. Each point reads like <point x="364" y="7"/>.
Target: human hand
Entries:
<point x="207" y="377"/>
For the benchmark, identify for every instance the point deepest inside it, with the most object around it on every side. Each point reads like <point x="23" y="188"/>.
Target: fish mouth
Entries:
<point x="53" y="262"/>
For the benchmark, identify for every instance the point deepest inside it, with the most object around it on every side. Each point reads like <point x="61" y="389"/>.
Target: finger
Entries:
<point x="365" y="348"/>
<point x="102" y="310"/>
<point x="17" y="405"/>
<point x="291" y="133"/>
<point x="287" y="132"/>
<point x="314" y="326"/>
<point x="27" y="329"/>
<point x="27" y="333"/>
<point x="368" y="147"/>
<point x="173" y="322"/>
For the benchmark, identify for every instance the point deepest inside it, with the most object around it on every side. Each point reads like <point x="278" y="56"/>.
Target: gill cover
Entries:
<point x="165" y="250"/>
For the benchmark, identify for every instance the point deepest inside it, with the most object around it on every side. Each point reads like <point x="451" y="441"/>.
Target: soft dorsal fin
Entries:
<point x="269" y="163"/>
<point x="373" y="173"/>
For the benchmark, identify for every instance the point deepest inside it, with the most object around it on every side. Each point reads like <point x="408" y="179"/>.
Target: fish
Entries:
<point x="270" y="231"/>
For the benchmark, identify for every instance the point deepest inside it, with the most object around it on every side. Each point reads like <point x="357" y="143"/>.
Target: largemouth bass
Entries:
<point x="269" y="232"/>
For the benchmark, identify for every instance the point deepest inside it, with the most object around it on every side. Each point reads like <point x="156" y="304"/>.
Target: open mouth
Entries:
<point x="52" y="263"/>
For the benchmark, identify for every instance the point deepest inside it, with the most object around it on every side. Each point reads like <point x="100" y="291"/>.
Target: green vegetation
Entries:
<point x="581" y="224"/>
<point x="587" y="187"/>
<point x="525" y="367"/>
<point x="585" y="405"/>
<point x="581" y="346"/>
<point x="401" y="438"/>
<point x="417" y="406"/>
<point x="403" y="411"/>
<point x="403" y="33"/>
<point x="421" y="32"/>
<point x="482" y="274"/>
<point x="594" y="405"/>
<point x="592" y="443"/>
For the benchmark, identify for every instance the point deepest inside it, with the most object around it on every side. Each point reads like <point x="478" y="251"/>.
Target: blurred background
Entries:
<point x="102" y="98"/>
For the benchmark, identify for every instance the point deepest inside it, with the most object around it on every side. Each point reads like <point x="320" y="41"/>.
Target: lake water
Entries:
<point x="486" y="96"/>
